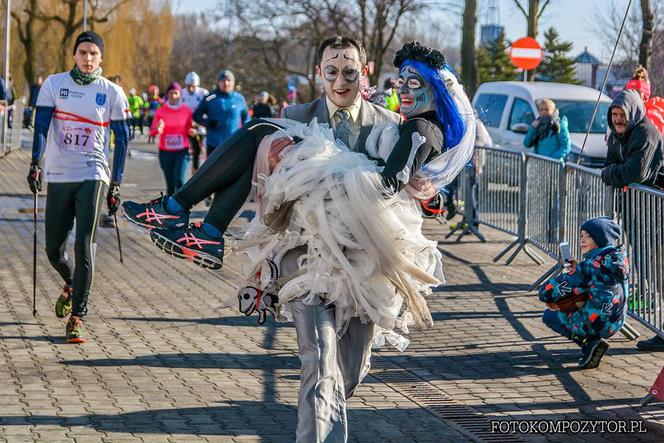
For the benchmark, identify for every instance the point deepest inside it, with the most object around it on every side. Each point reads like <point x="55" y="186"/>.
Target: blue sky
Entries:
<point x="574" y="19"/>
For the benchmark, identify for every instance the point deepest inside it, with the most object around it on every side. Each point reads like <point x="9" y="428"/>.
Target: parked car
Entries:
<point x="508" y="108"/>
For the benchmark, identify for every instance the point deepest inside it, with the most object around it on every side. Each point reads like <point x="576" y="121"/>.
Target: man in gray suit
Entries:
<point x="333" y="364"/>
<point x="341" y="62"/>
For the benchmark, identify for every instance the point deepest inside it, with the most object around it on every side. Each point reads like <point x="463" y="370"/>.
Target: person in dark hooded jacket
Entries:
<point x="636" y="148"/>
<point x="635" y="155"/>
<point x="601" y="280"/>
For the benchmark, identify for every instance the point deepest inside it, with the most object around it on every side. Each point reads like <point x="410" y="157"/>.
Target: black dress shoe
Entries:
<point x="652" y="344"/>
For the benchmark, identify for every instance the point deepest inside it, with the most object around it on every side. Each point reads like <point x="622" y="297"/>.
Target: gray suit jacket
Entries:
<point x="370" y="114"/>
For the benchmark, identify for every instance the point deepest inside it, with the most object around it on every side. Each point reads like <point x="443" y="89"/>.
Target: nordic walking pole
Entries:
<point x="34" y="255"/>
<point x="117" y="232"/>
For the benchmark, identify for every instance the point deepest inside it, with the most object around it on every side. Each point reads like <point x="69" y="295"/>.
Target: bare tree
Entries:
<point x="195" y="45"/>
<point x="647" y="30"/>
<point x="284" y="36"/>
<point x="535" y="9"/>
<point x="657" y="63"/>
<point x="26" y="25"/>
<point x="432" y="32"/>
<point x="379" y="22"/>
<point x="608" y="22"/>
<point x="286" y="33"/>
<point x="607" y="25"/>
<point x="66" y="14"/>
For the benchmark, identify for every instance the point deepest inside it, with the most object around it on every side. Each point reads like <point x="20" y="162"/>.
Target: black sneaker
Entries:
<point x="106" y="222"/>
<point x="153" y="214"/>
<point x="592" y="354"/>
<point x="652" y="344"/>
<point x="451" y="210"/>
<point x="191" y="244"/>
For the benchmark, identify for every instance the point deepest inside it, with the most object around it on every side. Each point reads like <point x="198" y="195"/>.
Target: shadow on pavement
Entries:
<point x="197" y="361"/>
<point x="241" y="320"/>
<point x="505" y="364"/>
<point x="46" y="338"/>
<point x="15" y="323"/>
<point x="267" y="420"/>
<point x="469" y="315"/>
<point x="478" y="287"/>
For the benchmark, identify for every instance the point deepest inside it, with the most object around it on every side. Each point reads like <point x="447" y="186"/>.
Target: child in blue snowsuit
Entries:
<point x="602" y="276"/>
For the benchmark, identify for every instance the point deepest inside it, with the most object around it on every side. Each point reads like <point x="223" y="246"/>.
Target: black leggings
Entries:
<point x="66" y="203"/>
<point x="227" y="174"/>
<point x="195" y="145"/>
<point x="137" y="122"/>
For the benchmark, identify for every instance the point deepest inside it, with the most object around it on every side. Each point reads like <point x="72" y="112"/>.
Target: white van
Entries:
<point x="508" y="108"/>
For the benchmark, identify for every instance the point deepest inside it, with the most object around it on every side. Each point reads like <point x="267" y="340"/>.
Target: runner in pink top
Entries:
<point x="173" y="123"/>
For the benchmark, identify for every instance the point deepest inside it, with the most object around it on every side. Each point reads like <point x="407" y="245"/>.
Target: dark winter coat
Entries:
<point x="637" y="156"/>
<point x="602" y="275"/>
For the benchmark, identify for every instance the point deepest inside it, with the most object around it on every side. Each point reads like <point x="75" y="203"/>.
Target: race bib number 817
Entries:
<point x="77" y="138"/>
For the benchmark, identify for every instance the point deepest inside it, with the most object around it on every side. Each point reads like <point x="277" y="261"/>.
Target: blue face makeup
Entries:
<point x="415" y="93"/>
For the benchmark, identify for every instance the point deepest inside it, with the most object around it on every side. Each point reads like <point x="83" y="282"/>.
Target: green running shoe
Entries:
<point x="74" y="330"/>
<point x="63" y="303"/>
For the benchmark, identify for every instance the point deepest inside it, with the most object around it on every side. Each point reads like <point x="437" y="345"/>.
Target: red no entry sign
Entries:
<point x="526" y="53"/>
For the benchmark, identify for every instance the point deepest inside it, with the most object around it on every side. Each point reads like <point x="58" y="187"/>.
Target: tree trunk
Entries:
<point x="469" y="71"/>
<point x="532" y="15"/>
<point x="27" y="38"/>
<point x="645" y="47"/>
<point x="533" y="18"/>
<point x="69" y="29"/>
<point x="29" y="46"/>
<point x="533" y="11"/>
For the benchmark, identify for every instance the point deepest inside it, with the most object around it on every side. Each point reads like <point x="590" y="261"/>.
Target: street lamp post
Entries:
<point x="85" y="15"/>
<point x="5" y="123"/>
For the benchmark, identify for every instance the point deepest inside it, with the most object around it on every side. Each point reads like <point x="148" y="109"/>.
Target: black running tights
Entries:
<point x="227" y="174"/>
<point x="66" y="203"/>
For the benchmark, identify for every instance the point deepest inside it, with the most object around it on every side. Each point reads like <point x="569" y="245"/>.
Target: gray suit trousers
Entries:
<point x="331" y="367"/>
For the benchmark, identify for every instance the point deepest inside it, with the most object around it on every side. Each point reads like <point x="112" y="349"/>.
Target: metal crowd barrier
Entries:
<point x="11" y="125"/>
<point x="585" y="196"/>
<point x="498" y="189"/>
<point x="542" y="202"/>
<point x="641" y="214"/>
<point x="544" y="177"/>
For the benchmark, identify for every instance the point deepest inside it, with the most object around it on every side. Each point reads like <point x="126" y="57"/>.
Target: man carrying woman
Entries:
<point x="334" y="332"/>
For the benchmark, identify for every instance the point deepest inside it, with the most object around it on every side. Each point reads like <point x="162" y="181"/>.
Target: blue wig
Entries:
<point x="446" y="110"/>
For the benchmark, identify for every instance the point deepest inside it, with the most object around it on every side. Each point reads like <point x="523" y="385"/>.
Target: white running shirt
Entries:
<point x="77" y="145"/>
<point x="192" y="100"/>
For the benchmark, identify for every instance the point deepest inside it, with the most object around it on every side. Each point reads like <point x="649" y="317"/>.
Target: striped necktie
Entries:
<point x="342" y="130"/>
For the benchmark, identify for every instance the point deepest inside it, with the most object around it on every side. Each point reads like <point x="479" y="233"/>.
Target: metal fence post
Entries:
<point x="561" y="201"/>
<point x="521" y="241"/>
<point x="470" y="222"/>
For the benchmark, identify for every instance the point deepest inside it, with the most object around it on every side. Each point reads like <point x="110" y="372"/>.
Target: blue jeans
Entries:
<point x="174" y="164"/>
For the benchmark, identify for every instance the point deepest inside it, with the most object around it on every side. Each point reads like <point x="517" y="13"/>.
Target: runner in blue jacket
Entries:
<point x="223" y="111"/>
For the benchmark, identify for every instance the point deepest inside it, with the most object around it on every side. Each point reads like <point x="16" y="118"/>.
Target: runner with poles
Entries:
<point x="76" y="112"/>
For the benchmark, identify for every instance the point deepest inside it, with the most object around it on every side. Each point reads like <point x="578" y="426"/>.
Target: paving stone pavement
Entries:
<point x="166" y="361"/>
